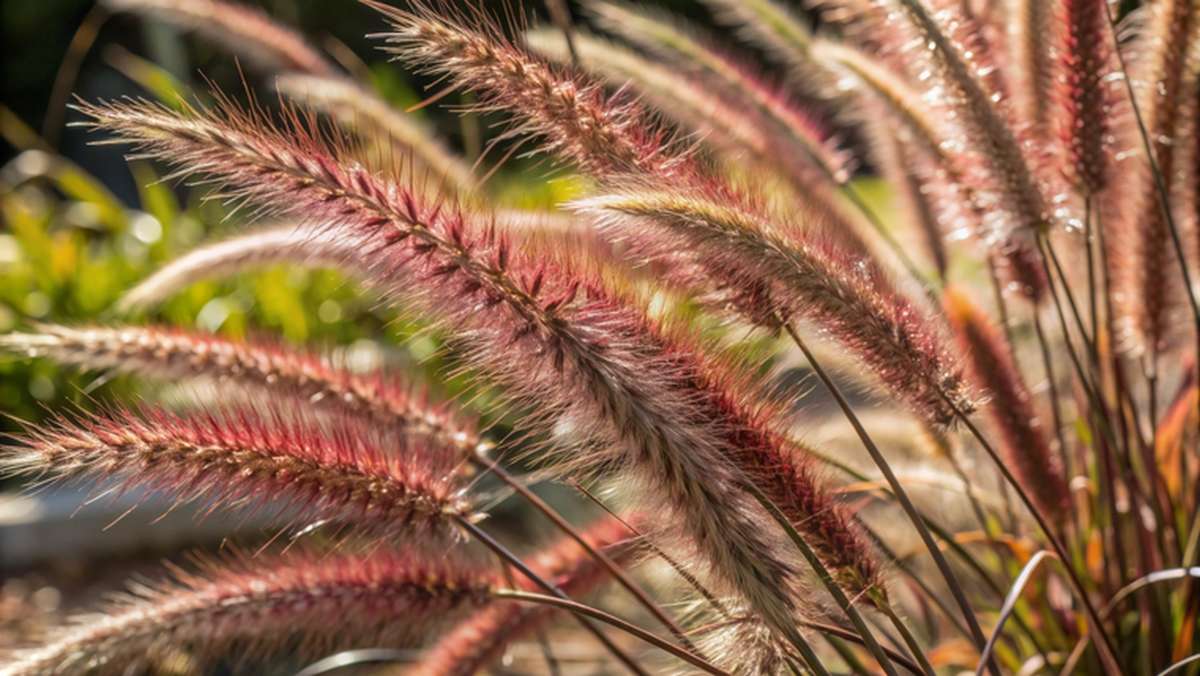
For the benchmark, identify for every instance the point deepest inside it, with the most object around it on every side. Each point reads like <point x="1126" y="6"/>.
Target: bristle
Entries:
<point x="1024" y="443"/>
<point x="240" y="28"/>
<point x="481" y="640"/>
<point x="565" y="343"/>
<point x="280" y="244"/>
<point x="240" y="610"/>
<point x="252" y="458"/>
<point x="361" y="110"/>
<point x="266" y="368"/>
<point x="777" y="270"/>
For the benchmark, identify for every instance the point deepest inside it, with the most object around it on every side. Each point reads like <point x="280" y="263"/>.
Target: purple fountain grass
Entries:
<point x="783" y="274"/>
<point x="1147" y="289"/>
<point x="1084" y="105"/>
<point x="973" y="99"/>
<point x="1029" y="72"/>
<point x="683" y="100"/>
<point x="625" y="341"/>
<point x="252" y="458"/>
<point x="821" y="160"/>
<point x="1023" y="441"/>
<point x="267" y="368"/>
<point x="243" y="29"/>
<point x="362" y="111"/>
<point x="574" y="118"/>
<point x="481" y="639"/>
<point x="559" y="338"/>
<point x="240" y="609"/>
<point x="801" y="263"/>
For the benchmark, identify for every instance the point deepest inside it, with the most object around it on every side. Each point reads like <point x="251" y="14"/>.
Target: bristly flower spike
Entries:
<point x="281" y="244"/>
<point x="1023" y="441"/>
<point x="1084" y="105"/>
<point x="378" y="398"/>
<point x="776" y="273"/>
<point x="244" y="610"/>
<point x="574" y="118"/>
<point x="253" y="458"/>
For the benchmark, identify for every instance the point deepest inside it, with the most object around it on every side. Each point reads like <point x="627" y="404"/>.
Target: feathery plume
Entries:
<point x="243" y="457"/>
<point x="976" y="101"/>
<point x="1148" y="291"/>
<point x="784" y="122"/>
<point x="280" y="244"/>
<point x="360" y="110"/>
<point x="799" y="275"/>
<point x="1084" y="105"/>
<point x="1023" y="441"/>
<point x="575" y="119"/>
<point x="241" y="29"/>
<point x="481" y="639"/>
<point x="682" y="99"/>
<point x="1029" y="71"/>
<point x="560" y="340"/>
<point x="244" y="609"/>
<point x="171" y="353"/>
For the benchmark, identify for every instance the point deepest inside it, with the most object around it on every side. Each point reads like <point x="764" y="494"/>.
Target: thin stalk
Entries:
<point x="503" y="552"/>
<point x="1002" y="310"/>
<point x="1055" y="405"/>
<point x="898" y="490"/>
<point x="612" y="620"/>
<point x="600" y="557"/>
<point x="1010" y="602"/>
<point x="1095" y="397"/>
<point x="847" y="635"/>
<point x="914" y="646"/>
<point x="827" y="580"/>
<point x="1105" y="645"/>
<point x="683" y="573"/>
<point x="1088" y="339"/>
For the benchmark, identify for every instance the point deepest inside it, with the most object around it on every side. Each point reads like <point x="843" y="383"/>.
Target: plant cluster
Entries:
<point x="1026" y="311"/>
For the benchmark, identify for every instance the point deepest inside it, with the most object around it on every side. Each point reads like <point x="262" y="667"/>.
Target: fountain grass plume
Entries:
<point x="1024" y="442"/>
<point x="272" y="245"/>
<point x="574" y="118"/>
<point x="776" y="270"/>
<point x="380" y="399"/>
<point x="252" y="458"/>
<point x="242" y="609"/>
